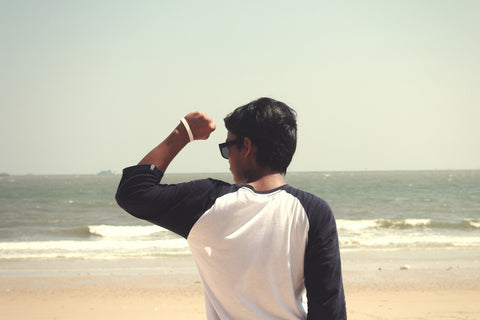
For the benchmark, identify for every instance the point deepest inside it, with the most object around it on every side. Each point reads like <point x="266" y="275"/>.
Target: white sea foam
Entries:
<point x="417" y="222"/>
<point x="371" y="240"/>
<point x="107" y="249"/>
<point x="125" y="231"/>
<point x="474" y="222"/>
<point x="352" y="225"/>
<point x="113" y="248"/>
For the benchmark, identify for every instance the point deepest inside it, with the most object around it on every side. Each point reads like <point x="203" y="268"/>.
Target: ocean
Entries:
<point x="380" y="215"/>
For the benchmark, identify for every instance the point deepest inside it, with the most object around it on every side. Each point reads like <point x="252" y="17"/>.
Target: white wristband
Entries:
<point x="187" y="127"/>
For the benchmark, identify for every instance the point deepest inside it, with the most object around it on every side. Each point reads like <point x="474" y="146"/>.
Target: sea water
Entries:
<point x="378" y="214"/>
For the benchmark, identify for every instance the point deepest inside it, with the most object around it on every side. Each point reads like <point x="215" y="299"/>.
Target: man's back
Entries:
<point x="249" y="248"/>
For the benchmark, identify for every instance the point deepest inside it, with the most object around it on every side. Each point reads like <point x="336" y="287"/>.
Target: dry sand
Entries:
<point x="379" y="294"/>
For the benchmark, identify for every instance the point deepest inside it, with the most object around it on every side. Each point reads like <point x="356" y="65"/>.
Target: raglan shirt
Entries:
<point x="260" y="255"/>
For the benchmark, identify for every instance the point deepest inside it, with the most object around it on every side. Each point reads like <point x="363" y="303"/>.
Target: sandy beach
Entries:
<point x="441" y="293"/>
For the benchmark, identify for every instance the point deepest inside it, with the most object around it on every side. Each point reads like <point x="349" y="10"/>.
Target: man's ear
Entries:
<point x="250" y="148"/>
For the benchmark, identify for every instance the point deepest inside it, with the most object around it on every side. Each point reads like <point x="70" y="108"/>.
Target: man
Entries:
<point x="260" y="245"/>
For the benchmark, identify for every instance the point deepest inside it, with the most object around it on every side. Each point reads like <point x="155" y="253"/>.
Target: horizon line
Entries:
<point x="112" y="173"/>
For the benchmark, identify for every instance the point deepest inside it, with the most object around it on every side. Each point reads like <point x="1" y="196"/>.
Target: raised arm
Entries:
<point x="201" y="126"/>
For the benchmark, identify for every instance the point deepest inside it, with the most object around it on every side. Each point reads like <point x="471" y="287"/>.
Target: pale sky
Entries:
<point x="87" y="86"/>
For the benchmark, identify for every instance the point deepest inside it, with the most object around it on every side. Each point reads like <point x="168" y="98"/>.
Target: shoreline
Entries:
<point x="352" y="260"/>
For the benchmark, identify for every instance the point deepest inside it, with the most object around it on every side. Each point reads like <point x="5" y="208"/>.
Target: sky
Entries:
<point x="87" y="86"/>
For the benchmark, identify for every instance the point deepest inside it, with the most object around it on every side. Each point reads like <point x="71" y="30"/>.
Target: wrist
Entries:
<point x="187" y="129"/>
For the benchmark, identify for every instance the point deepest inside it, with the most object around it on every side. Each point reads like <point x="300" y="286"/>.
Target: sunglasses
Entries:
<point x="225" y="147"/>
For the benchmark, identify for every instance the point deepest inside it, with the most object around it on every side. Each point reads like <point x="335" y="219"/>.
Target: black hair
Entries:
<point x="272" y="126"/>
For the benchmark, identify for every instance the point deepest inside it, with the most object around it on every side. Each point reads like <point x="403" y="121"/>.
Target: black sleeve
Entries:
<point x="322" y="269"/>
<point x="174" y="207"/>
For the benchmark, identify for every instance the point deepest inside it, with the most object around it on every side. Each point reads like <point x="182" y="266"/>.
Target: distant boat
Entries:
<point x="105" y="173"/>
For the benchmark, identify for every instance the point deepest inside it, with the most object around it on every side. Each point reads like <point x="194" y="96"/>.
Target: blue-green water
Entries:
<point x="76" y="217"/>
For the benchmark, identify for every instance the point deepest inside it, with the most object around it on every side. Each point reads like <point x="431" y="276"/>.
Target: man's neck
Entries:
<point x="268" y="181"/>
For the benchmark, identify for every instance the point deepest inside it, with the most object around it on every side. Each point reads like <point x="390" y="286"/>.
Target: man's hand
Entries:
<point x="201" y="125"/>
